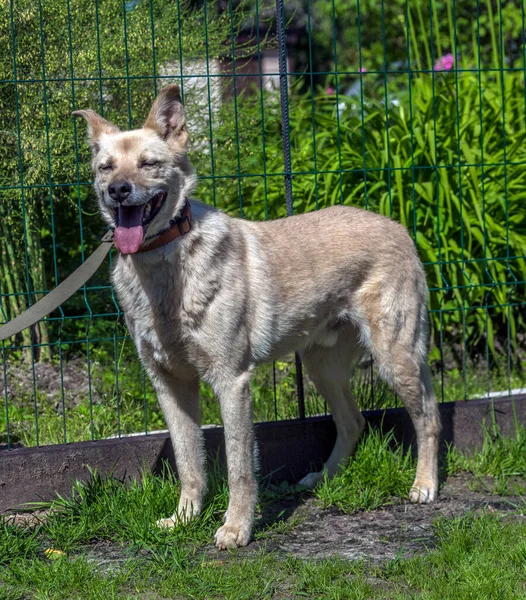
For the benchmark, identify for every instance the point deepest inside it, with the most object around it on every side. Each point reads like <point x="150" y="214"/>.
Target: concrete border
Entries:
<point x="287" y="449"/>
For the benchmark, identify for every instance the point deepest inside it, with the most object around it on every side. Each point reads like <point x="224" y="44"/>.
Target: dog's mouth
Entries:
<point x="131" y="222"/>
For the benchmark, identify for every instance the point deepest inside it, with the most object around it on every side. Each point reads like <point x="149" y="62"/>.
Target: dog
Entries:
<point x="209" y="297"/>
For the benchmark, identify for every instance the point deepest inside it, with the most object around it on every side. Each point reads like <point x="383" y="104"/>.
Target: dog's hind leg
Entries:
<point x="399" y="348"/>
<point x="179" y="400"/>
<point x="330" y="370"/>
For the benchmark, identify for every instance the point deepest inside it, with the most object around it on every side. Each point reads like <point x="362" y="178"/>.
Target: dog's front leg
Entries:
<point x="179" y="400"/>
<point x="235" y="400"/>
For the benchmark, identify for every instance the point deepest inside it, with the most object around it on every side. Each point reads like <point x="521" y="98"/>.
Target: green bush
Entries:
<point x="444" y="157"/>
<point x="60" y="56"/>
<point x="346" y="36"/>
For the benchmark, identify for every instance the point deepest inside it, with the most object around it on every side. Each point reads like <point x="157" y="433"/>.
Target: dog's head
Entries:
<point x="142" y="177"/>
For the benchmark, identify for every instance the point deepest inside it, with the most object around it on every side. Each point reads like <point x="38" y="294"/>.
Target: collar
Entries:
<point x="178" y="227"/>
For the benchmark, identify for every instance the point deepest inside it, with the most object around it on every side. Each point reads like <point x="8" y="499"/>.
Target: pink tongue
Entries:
<point x="128" y="239"/>
<point x="128" y="236"/>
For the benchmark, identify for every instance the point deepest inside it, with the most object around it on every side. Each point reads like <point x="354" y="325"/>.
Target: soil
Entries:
<point x="400" y="530"/>
<point x="49" y="381"/>
<point x="396" y="531"/>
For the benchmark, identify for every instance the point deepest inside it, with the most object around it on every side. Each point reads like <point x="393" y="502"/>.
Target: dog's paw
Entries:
<point x="423" y="493"/>
<point x="168" y="523"/>
<point x="232" y="536"/>
<point x="188" y="509"/>
<point x="310" y="480"/>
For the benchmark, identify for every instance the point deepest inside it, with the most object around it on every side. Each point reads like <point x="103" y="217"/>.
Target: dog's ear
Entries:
<point x="167" y="117"/>
<point x="97" y="127"/>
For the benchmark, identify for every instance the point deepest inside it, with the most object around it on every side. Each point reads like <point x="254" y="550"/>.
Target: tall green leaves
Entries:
<point x="446" y="157"/>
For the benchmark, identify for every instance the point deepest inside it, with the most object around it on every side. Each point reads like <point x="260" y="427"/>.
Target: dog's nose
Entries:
<point x="119" y="190"/>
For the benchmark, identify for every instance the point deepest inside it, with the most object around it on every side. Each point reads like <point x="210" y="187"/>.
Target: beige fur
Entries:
<point x="231" y="294"/>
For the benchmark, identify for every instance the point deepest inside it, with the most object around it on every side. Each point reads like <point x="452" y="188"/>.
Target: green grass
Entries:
<point x="379" y="472"/>
<point x="135" y="408"/>
<point x="125" y="512"/>
<point x="478" y="555"/>
<point x="500" y="466"/>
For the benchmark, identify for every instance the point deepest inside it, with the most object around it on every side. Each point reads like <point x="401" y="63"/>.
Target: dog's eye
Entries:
<point x="149" y="163"/>
<point x="105" y="168"/>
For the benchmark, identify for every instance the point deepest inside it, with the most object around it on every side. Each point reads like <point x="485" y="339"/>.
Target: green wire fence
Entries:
<point x="416" y="110"/>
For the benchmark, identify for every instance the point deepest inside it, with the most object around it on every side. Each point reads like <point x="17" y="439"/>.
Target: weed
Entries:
<point x="16" y="542"/>
<point x="476" y="556"/>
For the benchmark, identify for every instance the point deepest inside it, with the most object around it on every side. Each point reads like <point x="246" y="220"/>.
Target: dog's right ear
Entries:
<point x="167" y="117"/>
<point x="97" y="127"/>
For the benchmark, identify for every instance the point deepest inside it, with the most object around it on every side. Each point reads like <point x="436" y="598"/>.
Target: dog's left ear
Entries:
<point x="167" y="117"/>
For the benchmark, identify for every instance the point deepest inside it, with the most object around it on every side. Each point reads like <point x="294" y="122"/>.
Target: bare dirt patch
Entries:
<point x="400" y="530"/>
<point x="48" y="379"/>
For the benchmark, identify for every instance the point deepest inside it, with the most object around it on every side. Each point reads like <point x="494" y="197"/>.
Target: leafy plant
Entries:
<point x="60" y="56"/>
<point x="444" y="157"/>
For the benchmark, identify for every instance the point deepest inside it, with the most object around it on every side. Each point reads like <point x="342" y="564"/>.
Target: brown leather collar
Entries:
<point x="178" y="227"/>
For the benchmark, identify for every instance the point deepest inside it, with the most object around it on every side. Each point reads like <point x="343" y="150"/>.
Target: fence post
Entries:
<point x="285" y="133"/>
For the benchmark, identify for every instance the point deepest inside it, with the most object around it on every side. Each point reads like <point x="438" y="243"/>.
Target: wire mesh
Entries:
<point x="416" y="110"/>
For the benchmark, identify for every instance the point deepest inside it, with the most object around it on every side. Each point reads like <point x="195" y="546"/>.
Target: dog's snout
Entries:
<point x="120" y="190"/>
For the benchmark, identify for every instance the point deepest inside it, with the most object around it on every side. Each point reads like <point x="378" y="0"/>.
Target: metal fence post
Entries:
<point x="285" y="132"/>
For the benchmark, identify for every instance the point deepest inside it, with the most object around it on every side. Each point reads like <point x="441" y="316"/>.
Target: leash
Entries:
<point x="61" y="293"/>
<point x="87" y="269"/>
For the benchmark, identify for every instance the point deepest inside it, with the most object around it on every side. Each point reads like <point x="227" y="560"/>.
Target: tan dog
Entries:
<point x="228" y="294"/>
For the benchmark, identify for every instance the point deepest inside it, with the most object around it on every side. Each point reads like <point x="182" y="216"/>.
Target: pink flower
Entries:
<point x="330" y="91"/>
<point x="444" y="63"/>
<point x="363" y="70"/>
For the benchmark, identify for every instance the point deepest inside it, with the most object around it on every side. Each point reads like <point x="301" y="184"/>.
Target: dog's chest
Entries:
<point x="151" y="299"/>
